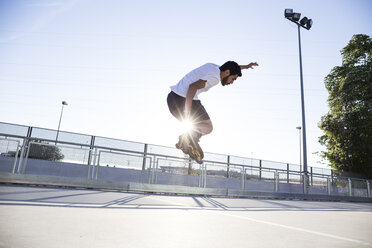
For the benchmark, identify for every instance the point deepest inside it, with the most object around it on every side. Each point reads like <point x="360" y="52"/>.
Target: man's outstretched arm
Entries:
<point x="250" y="65"/>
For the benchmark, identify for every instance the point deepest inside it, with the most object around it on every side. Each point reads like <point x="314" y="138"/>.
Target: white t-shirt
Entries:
<point x="209" y="72"/>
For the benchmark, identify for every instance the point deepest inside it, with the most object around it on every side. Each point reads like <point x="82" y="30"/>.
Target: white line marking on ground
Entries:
<point x="297" y="229"/>
<point x="172" y="203"/>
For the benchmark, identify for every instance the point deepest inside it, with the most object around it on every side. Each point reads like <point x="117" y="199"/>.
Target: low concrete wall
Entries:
<point x="158" y="188"/>
<point x="61" y="181"/>
<point x="6" y="164"/>
<point x="76" y="175"/>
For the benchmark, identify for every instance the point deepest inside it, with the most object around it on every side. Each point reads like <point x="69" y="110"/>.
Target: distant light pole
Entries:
<point x="305" y="23"/>
<point x="299" y="134"/>
<point x="60" y="119"/>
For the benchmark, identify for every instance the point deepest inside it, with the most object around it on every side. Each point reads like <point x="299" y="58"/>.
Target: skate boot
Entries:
<point x="195" y="150"/>
<point x="188" y="143"/>
<point x="183" y="143"/>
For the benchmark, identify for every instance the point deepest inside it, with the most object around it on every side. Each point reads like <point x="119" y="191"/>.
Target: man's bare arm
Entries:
<point x="200" y="84"/>
<point x="250" y="65"/>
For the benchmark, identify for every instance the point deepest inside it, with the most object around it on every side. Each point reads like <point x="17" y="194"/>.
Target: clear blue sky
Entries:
<point x="113" y="62"/>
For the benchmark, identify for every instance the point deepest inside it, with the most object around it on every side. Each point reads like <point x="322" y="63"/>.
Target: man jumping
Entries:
<point x="184" y="104"/>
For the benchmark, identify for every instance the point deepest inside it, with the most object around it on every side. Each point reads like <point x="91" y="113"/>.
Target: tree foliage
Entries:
<point x="39" y="150"/>
<point x="347" y="126"/>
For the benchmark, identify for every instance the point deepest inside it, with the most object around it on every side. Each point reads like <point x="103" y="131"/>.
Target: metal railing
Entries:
<point x="28" y="154"/>
<point x="49" y="134"/>
<point x="10" y="147"/>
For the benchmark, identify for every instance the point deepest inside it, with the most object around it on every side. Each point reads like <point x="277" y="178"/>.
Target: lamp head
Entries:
<point x="296" y="17"/>
<point x="306" y="23"/>
<point x="309" y="24"/>
<point x="288" y="13"/>
<point x="303" y="21"/>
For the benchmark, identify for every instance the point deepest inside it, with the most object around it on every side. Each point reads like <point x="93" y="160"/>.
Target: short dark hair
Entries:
<point x="233" y="67"/>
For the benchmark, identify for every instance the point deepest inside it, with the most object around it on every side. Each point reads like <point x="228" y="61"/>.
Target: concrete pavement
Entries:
<point x="59" y="217"/>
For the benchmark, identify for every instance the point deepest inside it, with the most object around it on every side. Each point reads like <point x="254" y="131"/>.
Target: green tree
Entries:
<point x="40" y="150"/>
<point x="347" y="126"/>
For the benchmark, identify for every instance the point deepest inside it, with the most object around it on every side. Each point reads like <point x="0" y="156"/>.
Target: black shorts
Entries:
<point x="176" y="106"/>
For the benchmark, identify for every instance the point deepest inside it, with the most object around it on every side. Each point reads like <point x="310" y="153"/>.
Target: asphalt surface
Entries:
<point x="57" y="217"/>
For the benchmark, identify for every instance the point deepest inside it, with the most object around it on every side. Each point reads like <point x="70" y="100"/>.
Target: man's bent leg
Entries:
<point x="200" y="128"/>
<point x="205" y="127"/>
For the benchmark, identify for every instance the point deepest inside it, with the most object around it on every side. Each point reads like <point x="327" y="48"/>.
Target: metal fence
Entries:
<point x="30" y="150"/>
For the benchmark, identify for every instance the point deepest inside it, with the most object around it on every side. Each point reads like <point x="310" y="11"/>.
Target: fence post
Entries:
<point x="92" y="140"/>
<point x="24" y="150"/>
<point x="329" y="186"/>
<point x="260" y="169"/>
<point x="276" y="181"/>
<point x="152" y="164"/>
<point x="152" y="170"/>
<point x="190" y="167"/>
<point x="95" y="162"/>
<point x="20" y="162"/>
<point x="242" y="184"/>
<point x="305" y="182"/>
<point x="205" y="176"/>
<point x="287" y="173"/>
<point x="29" y="132"/>
<point x="156" y="171"/>
<point x="93" y="167"/>
<point x="228" y="166"/>
<point x="144" y="157"/>
<point x="201" y="176"/>
<point x="350" y="187"/>
<point x="368" y="189"/>
<point x="15" y="158"/>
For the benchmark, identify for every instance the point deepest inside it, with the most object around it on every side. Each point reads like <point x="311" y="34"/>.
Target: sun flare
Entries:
<point x="187" y="126"/>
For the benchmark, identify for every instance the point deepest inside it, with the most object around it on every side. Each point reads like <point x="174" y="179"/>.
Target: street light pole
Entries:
<point x="302" y="103"/>
<point x="305" y="23"/>
<point x="60" y="119"/>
